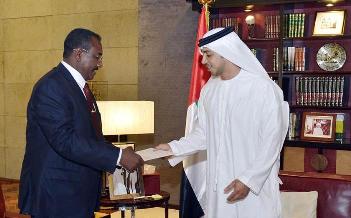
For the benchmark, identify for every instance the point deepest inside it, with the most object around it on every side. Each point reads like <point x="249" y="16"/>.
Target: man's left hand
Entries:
<point x="239" y="191"/>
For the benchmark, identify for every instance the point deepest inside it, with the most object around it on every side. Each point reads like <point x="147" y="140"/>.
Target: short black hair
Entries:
<point x="78" y="38"/>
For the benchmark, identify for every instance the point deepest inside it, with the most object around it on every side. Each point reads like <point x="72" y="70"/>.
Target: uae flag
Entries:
<point x="193" y="185"/>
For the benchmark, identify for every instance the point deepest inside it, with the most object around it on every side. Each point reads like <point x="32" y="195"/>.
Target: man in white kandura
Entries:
<point x="242" y="123"/>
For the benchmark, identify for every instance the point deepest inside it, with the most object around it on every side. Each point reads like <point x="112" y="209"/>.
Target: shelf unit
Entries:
<point x="337" y="145"/>
<point x="286" y="79"/>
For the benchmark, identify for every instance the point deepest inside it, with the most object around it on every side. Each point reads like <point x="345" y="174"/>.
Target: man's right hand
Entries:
<point x="164" y="147"/>
<point x="130" y="160"/>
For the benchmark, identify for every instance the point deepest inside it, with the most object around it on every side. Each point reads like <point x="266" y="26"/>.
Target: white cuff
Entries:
<point x="119" y="157"/>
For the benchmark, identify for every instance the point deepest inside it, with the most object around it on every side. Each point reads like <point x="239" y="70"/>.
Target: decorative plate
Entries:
<point x="331" y="57"/>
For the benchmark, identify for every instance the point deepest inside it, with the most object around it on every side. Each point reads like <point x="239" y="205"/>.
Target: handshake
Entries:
<point x="131" y="160"/>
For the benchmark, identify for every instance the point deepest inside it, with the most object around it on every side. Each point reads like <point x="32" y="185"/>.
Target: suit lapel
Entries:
<point x="67" y="75"/>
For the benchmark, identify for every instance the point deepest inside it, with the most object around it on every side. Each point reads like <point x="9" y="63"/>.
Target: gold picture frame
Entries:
<point x="329" y="23"/>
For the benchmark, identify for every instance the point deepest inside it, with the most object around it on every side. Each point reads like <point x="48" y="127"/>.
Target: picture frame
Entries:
<point x="329" y="23"/>
<point x="318" y="126"/>
<point x="123" y="184"/>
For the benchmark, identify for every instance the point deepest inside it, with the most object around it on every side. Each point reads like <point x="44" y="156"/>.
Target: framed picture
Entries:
<point x="329" y="23"/>
<point x="123" y="184"/>
<point x="126" y="185"/>
<point x="318" y="126"/>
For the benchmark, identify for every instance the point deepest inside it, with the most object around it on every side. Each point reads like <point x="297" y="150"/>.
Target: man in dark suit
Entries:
<point x="65" y="151"/>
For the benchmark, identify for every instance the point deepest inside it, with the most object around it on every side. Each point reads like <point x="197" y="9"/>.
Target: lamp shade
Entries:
<point x="126" y="117"/>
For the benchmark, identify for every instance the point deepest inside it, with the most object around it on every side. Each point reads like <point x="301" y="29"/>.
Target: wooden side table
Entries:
<point x="133" y="204"/>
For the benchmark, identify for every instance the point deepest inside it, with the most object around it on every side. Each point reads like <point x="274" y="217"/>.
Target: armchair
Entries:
<point x="3" y="212"/>
<point x="334" y="191"/>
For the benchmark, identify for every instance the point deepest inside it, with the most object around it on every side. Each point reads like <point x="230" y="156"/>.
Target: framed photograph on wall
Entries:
<point x="329" y="23"/>
<point x="123" y="184"/>
<point x="318" y="126"/>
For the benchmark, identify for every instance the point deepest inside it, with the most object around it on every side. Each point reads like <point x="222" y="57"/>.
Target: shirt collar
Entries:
<point x="75" y="74"/>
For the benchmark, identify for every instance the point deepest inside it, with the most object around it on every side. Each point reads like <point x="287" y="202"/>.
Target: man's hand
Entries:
<point x="164" y="147"/>
<point x="239" y="191"/>
<point x="130" y="160"/>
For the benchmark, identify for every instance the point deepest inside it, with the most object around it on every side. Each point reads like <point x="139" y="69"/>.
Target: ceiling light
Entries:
<point x="248" y="8"/>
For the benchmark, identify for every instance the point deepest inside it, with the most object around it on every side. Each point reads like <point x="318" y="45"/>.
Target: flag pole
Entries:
<point x="207" y="14"/>
<point x="206" y="4"/>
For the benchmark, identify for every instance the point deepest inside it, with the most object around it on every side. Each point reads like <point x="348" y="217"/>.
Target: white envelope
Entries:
<point x="152" y="153"/>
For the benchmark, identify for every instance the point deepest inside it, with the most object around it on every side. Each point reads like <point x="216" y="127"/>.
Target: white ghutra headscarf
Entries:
<point x="227" y="43"/>
<point x="231" y="47"/>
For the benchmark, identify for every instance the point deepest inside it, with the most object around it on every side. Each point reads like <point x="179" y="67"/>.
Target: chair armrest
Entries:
<point x="15" y="215"/>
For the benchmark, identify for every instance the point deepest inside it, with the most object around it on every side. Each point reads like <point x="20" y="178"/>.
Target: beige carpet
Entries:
<point x="156" y="212"/>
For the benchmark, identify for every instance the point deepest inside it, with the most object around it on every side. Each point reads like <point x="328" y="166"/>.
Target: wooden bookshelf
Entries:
<point x="315" y="38"/>
<point x="318" y="72"/>
<point x="278" y="71"/>
<point x="263" y="40"/>
<point x="319" y="108"/>
<point x="344" y="144"/>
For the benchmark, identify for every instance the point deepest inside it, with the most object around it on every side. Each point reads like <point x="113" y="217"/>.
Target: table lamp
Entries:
<point x="126" y="117"/>
<point x="122" y="118"/>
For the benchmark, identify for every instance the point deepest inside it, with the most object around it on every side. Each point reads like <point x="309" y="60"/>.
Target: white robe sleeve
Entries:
<point x="272" y="130"/>
<point x="189" y="144"/>
<point x="195" y="140"/>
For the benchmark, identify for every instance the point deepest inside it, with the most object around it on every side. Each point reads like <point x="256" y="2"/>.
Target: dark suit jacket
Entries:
<point x="61" y="170"/>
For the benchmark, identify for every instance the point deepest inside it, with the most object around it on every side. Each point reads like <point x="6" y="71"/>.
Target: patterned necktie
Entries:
<point x="93" y="110"/>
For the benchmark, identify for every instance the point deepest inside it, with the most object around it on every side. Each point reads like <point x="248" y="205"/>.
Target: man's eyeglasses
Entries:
<point x="97" y="57"/>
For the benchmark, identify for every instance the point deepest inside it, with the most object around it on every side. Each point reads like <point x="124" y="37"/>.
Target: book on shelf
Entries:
<point x="275" y="59"/>
<point x="294" y="125"/>
<point x="340" y="126"/>
<point x="286" y="87"/>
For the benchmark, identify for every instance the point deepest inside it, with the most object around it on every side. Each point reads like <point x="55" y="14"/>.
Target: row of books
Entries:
<point x="261" y="54"/>
<point x="272" y="26"/>
<point x="294" y="25"/>
<point x="226" y="22"/>
<point x="325" y="91"/>
<point x="294" y="58"/>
